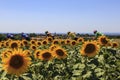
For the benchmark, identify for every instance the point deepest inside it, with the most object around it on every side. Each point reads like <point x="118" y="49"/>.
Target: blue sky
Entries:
<point x="59" y="15"/>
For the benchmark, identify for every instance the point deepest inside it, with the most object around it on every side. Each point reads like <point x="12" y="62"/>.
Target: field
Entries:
<point x="60" y="57"/>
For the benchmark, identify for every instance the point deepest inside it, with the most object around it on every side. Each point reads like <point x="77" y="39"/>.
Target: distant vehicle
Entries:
<point x="25" y="36"/>
<point x="9" y="35"/>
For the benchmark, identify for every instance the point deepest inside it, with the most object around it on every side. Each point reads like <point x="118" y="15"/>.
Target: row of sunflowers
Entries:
<point x="60" y="59"/>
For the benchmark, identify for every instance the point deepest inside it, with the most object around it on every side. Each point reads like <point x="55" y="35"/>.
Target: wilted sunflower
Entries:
<point x="16" y="63"/>
<point x="14" y="44"/>
<point x="103" y="40"/>
<point x="89" y="49"/>
<point x="115" y="44"/>
<point x="37" y="53"/>
<point x="46" y="55"/>
<point x="59" y="53"/>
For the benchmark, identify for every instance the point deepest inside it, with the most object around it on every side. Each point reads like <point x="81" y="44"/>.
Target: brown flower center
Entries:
<point x="16" y="61"/>
<point x="90" y="48"/>
<point x="14" y="45"/>
<point x="46" y="55"/>
<point x="60" y="52"/>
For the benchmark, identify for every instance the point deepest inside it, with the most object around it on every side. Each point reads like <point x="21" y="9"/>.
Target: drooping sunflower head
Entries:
<point x="59" y="53"/>
<point x="89" y="48"/>
<point x="115" y="44"/>
<point x="14" y="44"/>
<point x="16" y="63"/>
<point x="103" y="40"/>
<point x="46" y="55"/>
<point x="37" y="53"/>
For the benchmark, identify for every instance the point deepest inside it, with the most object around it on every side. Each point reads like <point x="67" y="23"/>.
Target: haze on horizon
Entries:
<point x="59" y="16"/>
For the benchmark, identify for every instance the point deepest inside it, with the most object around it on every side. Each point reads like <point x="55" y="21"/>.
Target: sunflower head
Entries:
<point x="56" y="41"/>
<point x="44" y="42"/>
<point x="32" y="42"/>
<point x="37" y="54"/>
<point x="16" y="63"/>
<point x="73" y="42"/>
<point x="38" y="43"/>
<point x="14" y="44"/>
<point x="28" y="53"/>
<point x="62" y="42"/>
<point x="25" y="43"/>
<point x="89" y="48"/>
<point x="115" y="44"/>
<point x="52" y="47"/>
<point x="67" y="41"/>
<point x="33" y="47"/>
<point x="49" y="39"/>
<point x="59" y="53"/>
<point x="103" y="40"/>
<point x="46" y="55"/>
<point x="80" y="39"/>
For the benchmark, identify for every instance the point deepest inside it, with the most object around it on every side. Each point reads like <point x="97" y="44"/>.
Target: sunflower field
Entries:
<point x="60" y="58"/>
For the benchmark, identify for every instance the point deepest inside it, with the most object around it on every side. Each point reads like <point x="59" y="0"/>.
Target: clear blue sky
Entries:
<point x="59" y="15"/>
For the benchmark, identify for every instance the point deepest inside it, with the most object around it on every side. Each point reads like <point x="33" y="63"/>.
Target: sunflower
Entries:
<point x="89" y="48"/>
<point x="52" y="47"/>
<point x="25" y="43"/>
<point x="37" y="53"/>
<point x="62" y="42"/>
<point x="5" y="54"/>
<point x="73" y="42"/>
<point x="67" y="41"/>
<point x="33" y="47"/>
<point x="115" y="44"/>
<point x="103" y="40"/>
<point x="33" y="42"/>
<point x="14" y="44"/>
<point x="44" y="42"/>
<point x="46" y="55"/>
<point x="80" y="39"/>
<point x="56" y="41"/>
<point x="59" y="53"/>
<point x="28" y="53"/>
<point x="16" y="63"/>
<point x="49" y="39"/>
<point x="38" y="43"/>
